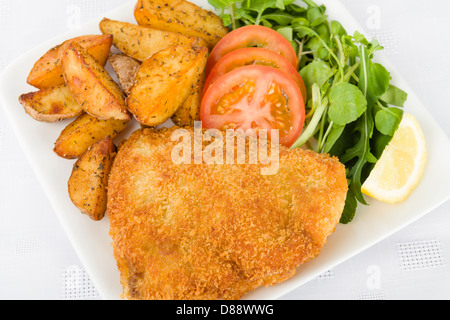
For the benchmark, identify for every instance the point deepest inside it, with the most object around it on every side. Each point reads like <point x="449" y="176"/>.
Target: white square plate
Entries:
<point x="91" y="240"/>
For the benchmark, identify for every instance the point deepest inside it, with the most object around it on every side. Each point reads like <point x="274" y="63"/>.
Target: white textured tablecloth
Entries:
<point x="38" y="262"/>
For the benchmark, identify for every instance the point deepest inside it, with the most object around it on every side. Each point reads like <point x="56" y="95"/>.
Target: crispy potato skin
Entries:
<point x="181" y="16"/>
<point x="125" y="68"/>
<point x="189" y="112"/>
<point x="164" y="82"/>
<point x="92" y="87"/>
<point x="47" y="71"/>
<point x="51" y="105"/>
<point x="88" y="182"/>
<point x="83" y="132"/>
<point x="141" y="42"/>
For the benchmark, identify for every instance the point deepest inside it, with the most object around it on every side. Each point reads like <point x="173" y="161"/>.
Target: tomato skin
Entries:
<point x="251" y="36"/>
<point x="247" y="112"/>
<point x="254" y="56"/>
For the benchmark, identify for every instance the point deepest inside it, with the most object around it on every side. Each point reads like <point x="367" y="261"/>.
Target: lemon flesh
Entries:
<point x="401" y="165"/>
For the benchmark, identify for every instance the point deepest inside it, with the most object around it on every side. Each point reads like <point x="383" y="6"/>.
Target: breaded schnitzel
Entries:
<point x="216" y="231"/>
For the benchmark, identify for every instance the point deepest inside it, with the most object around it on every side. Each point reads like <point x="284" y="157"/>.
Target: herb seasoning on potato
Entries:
<point x="89" y="180"/>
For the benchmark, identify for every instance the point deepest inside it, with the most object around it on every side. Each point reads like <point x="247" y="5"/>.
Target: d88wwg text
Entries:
<point x="246" y="309"/>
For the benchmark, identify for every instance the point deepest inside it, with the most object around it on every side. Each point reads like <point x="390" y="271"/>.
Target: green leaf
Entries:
<point x="347" y="103"/>
<point x="310" y="3"/>
<point x="323" y="31"/>
<point x="361" y="148"/>
<point x="373" y="46"/>
<point x="302" y="33"/>
<point x="360" y="38"/>
<point x="387" y="120"/>
<point x="379" y="143"/>
<point x="266" y="23"/>
<point x="300" y="22"/>
<point x="350" y="48"/>
<point x="379" y="79"/>
<point x="374" y="78"/>
<point x="394" y="96"/>
<point x="218" y="4"/>
<point x="317" y="22"/>
<point x="222" y="4"/>
<point x="226" y="18"/>
<point x="335" y="134"/>
<point x="260" y="5"/>
<point x="350" y="208"/>
<point x="281" y="4"/>
<point x="283" y="19"/>
<point x="317" y="72"/>
<point x="243" y="14"/>
<point x="345" y="141"/>
<point x="337" y="28"/>
<point x="295" y="9"/>
<point x="287" y="33"/>
<point x="313" y="13"/>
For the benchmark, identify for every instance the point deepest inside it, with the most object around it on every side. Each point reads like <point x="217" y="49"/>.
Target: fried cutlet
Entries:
<point x="187" y="231"/>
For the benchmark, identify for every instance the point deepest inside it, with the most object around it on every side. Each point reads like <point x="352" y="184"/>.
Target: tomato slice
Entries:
<point x="252" y="36"/>
<point x="254" y="56"/>
<point x="255" y="97"/>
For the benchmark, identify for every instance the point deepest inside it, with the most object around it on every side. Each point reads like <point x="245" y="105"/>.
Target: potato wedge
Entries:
<point x="51" y="105"/>
<point x="126" y="69"/>
<point x="189" y="112"/>
<point x="180" y="16"/>
<point x="164" y="82"/>
<point x="140" y="42"/>
<point x="83" y="132"/>
<point x="88" y="182"/>
<point x="92" y="87"/>
<point x="47" y="71"/>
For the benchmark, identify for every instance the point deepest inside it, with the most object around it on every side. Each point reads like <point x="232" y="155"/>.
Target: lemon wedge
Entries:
<point x="401" y="165"/>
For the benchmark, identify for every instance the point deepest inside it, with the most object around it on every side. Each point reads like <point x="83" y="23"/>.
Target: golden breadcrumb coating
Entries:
<point x="216" y="231"/>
